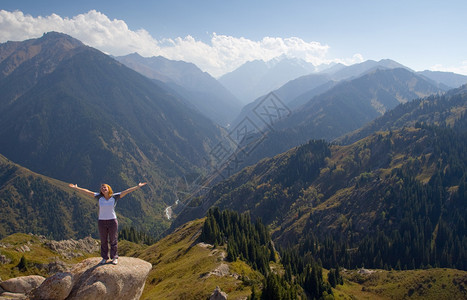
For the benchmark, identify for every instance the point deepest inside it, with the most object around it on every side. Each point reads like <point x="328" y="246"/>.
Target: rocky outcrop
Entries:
<point x="73" y="248"/>
<point x="218" y="294"/>
<point x="89" y="280"/>
<point x="23" y="284"/>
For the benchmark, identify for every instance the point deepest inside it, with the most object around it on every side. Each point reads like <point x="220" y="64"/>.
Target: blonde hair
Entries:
<point x="108" y="188"/>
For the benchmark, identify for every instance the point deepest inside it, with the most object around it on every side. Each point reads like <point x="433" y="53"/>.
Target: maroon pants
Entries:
<point x="108" y="232"/>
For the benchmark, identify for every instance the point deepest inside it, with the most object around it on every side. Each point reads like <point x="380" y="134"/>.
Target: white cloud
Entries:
<point x="93" y="28"/>
<point x="460" y="69"/>
<point x="223" y="54"/>
<point x="226" y="53"/>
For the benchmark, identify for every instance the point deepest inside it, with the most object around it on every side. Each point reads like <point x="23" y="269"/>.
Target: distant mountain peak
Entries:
<point x="52" y="47"/>
<point x="58" y="38"/>
<point x="392" y="64"/>
<point x="256" y="78"/>
<point x="286" y="59"/>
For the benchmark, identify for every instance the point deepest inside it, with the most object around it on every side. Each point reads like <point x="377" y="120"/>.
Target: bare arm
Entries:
<point x="82" y="190"/>
<point x="127" y="191"/>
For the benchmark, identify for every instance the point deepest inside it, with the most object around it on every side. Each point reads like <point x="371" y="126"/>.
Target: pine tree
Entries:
<point x="253" y="295"/>
<point x="23" y="264"/>
<point x="332" y="278"/>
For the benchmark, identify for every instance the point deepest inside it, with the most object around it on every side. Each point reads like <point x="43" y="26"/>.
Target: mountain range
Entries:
<point x="198" y="88"/>
<point x="345" y="106"/>
<point x="299" y="91"/>
<point x="365" y="168"/>
<point x="73" y="113"/>
<point x="77" y="115"/>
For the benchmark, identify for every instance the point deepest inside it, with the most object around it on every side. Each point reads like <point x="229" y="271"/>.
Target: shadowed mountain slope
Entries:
<point x="73" y="113"/>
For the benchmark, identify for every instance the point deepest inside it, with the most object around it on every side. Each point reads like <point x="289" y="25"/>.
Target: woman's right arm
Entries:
<point x="84" y="191"/>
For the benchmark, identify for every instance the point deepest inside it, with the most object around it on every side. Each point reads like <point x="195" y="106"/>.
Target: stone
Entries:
<point x="56" y="287"/>
<point x="363" y="271"/>
<point x="23" y="248"/>
<point x="4" y="259"/>
<point x="90" y="280"/>
<point x="55" y="266"/>
<point x="218" y="294"/>
<point x="221" y="270"/>
<point x="23" y="284"/>
<point x="12" y="296"/>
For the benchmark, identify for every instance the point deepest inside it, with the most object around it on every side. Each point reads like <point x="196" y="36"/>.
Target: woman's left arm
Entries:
<point x="132" y="189"/>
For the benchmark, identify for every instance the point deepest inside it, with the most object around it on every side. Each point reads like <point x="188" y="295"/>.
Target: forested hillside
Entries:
<point x="395" y="199"/>
<point x="30" y="202"/>
<point x="251" y="242"/>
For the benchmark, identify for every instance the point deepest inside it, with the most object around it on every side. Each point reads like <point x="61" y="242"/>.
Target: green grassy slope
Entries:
<point x="414" y="284"/>
<point x="186" y="269"/>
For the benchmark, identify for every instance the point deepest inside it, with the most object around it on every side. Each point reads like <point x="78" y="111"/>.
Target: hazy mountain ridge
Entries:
<point x="446" y="110"/>
<point x="359" y="69"/>
<point x="197" y="87"/>
<point x="256" y="78"/>
<point x="343" y="108"/>
<point x="299" y="91"/>
<point x="290" y="94"/>
<point x="451" y="80"/>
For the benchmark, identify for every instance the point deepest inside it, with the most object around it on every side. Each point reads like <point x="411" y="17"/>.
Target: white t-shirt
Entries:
<point x="107" y="206"/>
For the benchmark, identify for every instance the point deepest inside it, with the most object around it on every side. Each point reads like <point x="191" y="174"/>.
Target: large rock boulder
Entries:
<point x="89" y="280"/>
<point x="56" y="287"/>
<point x="23" y="284"/>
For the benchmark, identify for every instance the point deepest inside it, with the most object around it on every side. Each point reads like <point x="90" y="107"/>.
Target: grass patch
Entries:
<point x="411" y="284"/>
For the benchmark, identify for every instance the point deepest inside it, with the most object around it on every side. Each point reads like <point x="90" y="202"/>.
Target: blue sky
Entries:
<point x="221" y="35"/>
